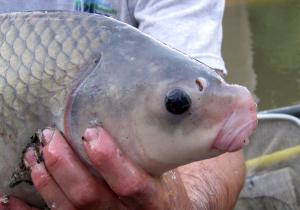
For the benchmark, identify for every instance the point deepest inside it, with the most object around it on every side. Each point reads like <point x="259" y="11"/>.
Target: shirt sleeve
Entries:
<point x="191" y="26"/>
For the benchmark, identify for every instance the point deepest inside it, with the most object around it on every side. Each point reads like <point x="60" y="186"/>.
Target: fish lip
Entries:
<point x="235" y="137"/>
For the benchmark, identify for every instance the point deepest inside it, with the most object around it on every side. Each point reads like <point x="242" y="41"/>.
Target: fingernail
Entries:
<point x="30" y="158"/>
<point x="91" y="134"/>
<point x="47" y="135"/>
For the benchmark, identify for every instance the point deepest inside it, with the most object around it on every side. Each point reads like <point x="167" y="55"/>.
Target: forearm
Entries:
<point x="214" y="183"/>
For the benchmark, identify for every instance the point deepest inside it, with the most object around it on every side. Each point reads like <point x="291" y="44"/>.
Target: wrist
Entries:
<point x="214" y="183"/>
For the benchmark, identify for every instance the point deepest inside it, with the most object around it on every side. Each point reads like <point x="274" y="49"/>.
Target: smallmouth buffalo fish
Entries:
<point x="74" y="70"/>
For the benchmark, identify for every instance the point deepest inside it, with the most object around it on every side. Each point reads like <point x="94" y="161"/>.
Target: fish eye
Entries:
<point x="177" y="101"/>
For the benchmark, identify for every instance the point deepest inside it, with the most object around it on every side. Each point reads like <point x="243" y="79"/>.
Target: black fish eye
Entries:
<point x="177" y="101"/>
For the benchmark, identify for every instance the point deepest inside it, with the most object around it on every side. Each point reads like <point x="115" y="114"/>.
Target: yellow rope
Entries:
<point x="268" y="160"/>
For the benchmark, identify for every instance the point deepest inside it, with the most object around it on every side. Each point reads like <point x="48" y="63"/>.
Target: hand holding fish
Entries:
<point x="124" y="185"/>
<point x="163" y="109"/>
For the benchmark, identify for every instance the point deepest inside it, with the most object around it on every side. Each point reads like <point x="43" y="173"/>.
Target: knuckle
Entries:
<point x="83" y="198"/>
<point x="54" y="161"/>
<point x="41" y="180"/>
<point x="132" y="188"/>
<point x="83" y="201"/>
<point x="102" y="158"/>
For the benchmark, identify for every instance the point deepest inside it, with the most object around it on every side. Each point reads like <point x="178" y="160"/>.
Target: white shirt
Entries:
<point x="191" y="26"/>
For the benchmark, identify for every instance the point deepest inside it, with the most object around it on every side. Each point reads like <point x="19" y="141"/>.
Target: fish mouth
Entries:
<point x="235" y="131"/>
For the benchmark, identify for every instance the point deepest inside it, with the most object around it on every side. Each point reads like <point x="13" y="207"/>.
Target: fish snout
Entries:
<point x="240" y="122"/>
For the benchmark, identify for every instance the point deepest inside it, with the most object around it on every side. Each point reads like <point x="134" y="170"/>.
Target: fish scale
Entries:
<point x="44" y="52"/>
<point x="39" y="60"/>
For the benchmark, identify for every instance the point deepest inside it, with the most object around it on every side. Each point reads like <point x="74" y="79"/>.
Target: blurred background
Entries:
<point x="261" y="49"/>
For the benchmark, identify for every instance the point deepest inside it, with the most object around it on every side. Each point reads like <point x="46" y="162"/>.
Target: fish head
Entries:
<point x="192" y="114"/>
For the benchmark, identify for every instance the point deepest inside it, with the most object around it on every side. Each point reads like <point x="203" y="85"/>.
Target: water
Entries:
<point x="261" y="48"/>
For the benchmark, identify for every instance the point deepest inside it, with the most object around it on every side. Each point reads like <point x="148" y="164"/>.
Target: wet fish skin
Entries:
<point x="74" y="70"/>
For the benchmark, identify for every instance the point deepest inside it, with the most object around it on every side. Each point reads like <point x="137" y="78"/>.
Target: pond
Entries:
<point x="261" y="49"/>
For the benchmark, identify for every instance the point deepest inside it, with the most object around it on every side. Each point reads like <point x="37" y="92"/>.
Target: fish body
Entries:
<point x="75" y="70"/>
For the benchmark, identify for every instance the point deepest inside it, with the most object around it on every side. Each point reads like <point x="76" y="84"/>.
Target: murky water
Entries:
<point x="261" y="48"/>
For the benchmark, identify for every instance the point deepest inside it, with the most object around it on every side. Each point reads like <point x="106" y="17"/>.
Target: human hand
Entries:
<point x="66" y="183"/>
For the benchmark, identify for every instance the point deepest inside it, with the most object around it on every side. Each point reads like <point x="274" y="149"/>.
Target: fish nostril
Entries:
<point x="201" y="83"/>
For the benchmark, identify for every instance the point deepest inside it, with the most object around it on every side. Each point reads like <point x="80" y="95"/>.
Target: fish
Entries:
<point x="75" y="70"/>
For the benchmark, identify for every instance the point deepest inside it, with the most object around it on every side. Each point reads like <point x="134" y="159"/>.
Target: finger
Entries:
<point x="45" y="184"/>
<point x="80" y="186"/>
<point x="137" y="188"/>
<point x="12" y="203"/>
